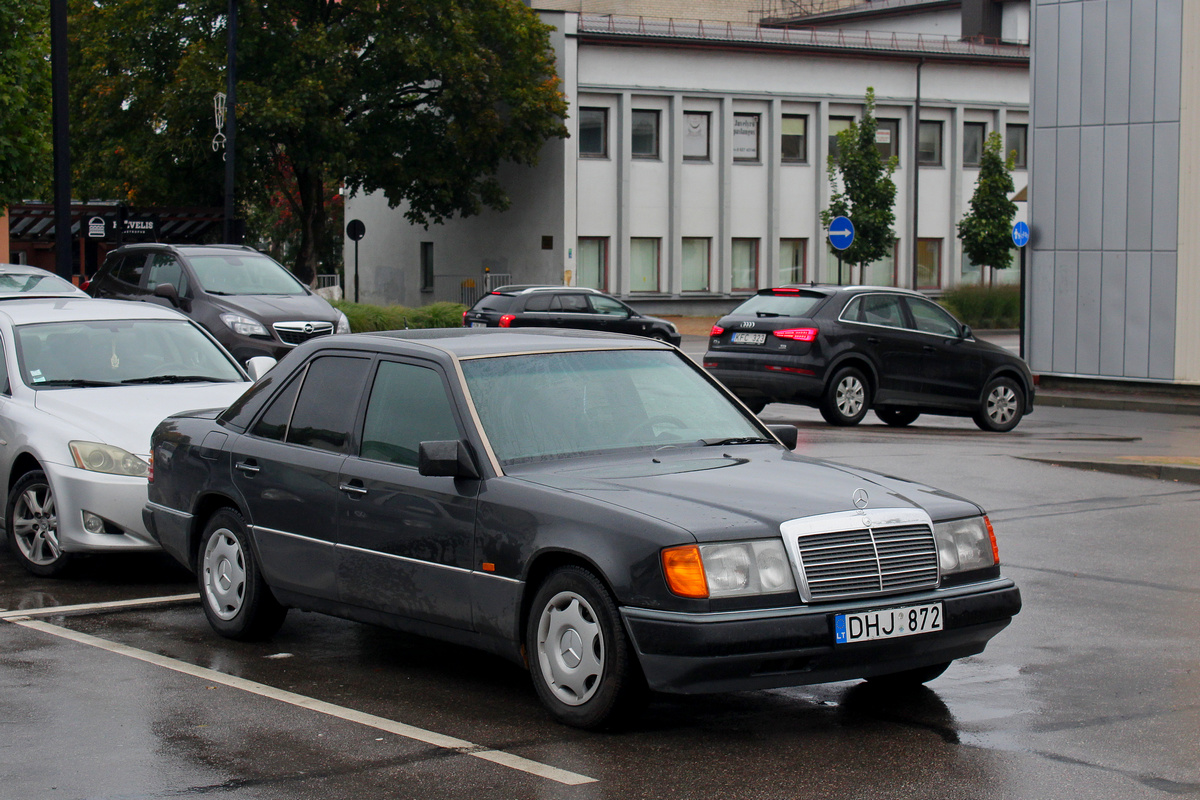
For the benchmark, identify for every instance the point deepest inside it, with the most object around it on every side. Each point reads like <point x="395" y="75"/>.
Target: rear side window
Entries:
<point x="494" y="302"/>
<point x="318" y="409"/>
<point x="538" y="302"/>
<point x="130" y="268"/>
<point x="573" y="303"/>
<point x="801" y="304"/>
<point x="875" y="309"/>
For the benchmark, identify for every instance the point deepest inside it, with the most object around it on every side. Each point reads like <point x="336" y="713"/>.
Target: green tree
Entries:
<point x="863" y="190"/>
<point x="986" y="230"/>
<point x="25" y="158"/>
<point x="422" y="100"/>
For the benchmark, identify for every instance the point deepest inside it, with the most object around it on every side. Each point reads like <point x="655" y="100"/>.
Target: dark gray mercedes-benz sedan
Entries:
<point x="594" y="506"/>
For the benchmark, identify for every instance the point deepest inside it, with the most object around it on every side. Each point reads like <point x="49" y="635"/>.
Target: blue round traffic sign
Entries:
<point x="841" y="233"/>
<point x="1020" y="234"/>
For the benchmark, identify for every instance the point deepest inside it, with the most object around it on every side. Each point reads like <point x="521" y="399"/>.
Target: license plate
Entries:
<point x="749" y="338"/>
<point x="887" y="623"/>
<point x="478" y="324"/>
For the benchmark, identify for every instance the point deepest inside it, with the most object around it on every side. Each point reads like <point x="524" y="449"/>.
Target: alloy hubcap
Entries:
<point x="35" y="526"/>
<point x="1002" y="404"/>
<point x="850" y="396"/>
<point x="570" y="648"/>
<point x="224" y="575"/>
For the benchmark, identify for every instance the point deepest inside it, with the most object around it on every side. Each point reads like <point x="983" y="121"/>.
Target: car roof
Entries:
<point x="30" y="310"/>
<point x="58" y="287"/>
<point x="483" y="342"/>
<point x="531" y="288"/>
<point x="832" y="289"/>
<point x="186" y="249"/>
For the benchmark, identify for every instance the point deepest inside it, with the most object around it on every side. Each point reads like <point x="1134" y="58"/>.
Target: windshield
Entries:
<point x="235" y="273"/>
<point x="778" y="305"/>
<point x="549" y="405"/>
<point x="18" y="283"/>
<point x="61" y="355"/>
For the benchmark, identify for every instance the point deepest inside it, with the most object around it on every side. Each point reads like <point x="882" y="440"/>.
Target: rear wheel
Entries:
<point x="897" y="417"/>
<point x="236" y="599"/>
<point x="32" y="524"/>
<point x="583" y="666"/>
<point x="1002" y="405"/>
<point x="846" y="398"/>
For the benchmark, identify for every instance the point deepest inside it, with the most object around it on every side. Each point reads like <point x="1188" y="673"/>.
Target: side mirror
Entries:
<point x="259" y="366"/>
<point x="446" y="459"/>
<point x="167" y="290"/>
<point x="965" y="331"/>
<point x="787" y="434"/>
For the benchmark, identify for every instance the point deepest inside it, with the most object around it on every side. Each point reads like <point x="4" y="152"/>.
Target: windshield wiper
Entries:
<point x="74" y="383"/>
<point x="736" y="440"/>
<point x="178" y="379"/>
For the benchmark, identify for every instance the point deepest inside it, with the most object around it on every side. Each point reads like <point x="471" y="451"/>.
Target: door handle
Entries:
<point x="872" y="340"/>
<point x="928" y="348"/>
<point x="355" y="488"/>
<point x="248" y="467"/>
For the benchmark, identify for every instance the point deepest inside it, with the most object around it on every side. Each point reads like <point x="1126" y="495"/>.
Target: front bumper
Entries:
<point x="118" y="499"/>
<point x="766" y="649"/>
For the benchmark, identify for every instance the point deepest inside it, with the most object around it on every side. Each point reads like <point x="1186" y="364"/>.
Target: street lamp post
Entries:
<point x="62" y="141"/>
<point x="230" y="121"/>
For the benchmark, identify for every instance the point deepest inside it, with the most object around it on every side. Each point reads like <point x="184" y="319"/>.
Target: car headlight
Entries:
<point x="965" y="544"/>
<point x="244" y="326"/>
<point x="728" y="569"/>
<point x="343" y="324"/>
<point x="97" y="457"/>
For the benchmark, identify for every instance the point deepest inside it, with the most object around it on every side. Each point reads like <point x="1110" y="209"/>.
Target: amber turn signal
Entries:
<point x="685" y="571"/>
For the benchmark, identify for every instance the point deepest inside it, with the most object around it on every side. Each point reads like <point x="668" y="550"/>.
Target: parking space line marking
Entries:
<point x="113" y="605"/>
<point x="282" y="695"/>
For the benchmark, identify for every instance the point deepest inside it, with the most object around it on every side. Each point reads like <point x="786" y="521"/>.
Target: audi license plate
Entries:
<point x="478" y="324"/>
<point x="887" y="623"/>
<point x="749" y="338"/>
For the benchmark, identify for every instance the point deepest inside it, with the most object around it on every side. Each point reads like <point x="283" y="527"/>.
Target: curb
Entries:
<point x="1180" y="473"/>
<point x="1132" y="402"/>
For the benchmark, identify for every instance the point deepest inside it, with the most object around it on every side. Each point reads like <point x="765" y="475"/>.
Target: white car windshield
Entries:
<point x="16" y="283"/>
<point x="58" y="355"/>
<point x="550" y="405"/>
<point x="233" y="274"/>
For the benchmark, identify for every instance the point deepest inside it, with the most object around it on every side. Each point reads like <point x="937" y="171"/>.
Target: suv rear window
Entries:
<point x="779" y="305"/>
<point x="494" y="302"/>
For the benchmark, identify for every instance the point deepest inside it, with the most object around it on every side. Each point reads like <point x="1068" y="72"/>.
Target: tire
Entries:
<point x="582" y="663"/>
<point x="909" y="679"/>
<point x="846" y="398"/>
<point x="236" y="599"/>
<point x="31" y="520"/>
<point x="897" y="417"/>
<point x="1001" y="407"/>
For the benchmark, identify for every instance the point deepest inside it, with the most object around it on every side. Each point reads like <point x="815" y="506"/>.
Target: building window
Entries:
<point x="426" y="266"/>
<point x="696" y="258"/>
<point x="695" y="135"/>
<point x="974" y="134"/>
<point x="745" y="265"/>
<point x="1016" y="140"/>
<point x="836" y="126"/>
<point x="929" y="263"/>
<point x="883" y="271"/>
<point x="887" y="138"/>
<point x="745" y="137"/>
<point x="643" y="264"/>
<point x="929" y="144"/>
<point x="793" y="147"/>
<point x="645" y="134"/>
<point x="593" y="262"/>
<point x="593" y="132"/>
<point x="792" y="259"/>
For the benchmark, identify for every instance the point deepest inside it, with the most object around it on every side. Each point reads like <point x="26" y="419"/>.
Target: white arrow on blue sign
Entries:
<point x="1020" y="234"/>
<point x="841" y="232"/>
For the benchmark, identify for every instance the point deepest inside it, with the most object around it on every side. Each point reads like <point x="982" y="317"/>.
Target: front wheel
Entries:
<point x="1002" y="405"/>
<point x="236" y="599"/>
<point x="583" y="666"/>
<point x="32" y="523"/>
<point x="846" y="398"/>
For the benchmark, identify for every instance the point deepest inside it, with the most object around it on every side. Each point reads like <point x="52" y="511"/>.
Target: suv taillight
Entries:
<point x="717" y="330"/>
<point x="798" y="334"/>
<point x="506" y="320"/>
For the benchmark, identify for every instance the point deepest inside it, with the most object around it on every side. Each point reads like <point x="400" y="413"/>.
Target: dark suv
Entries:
<point x="564" y="307"/>
<point x="850" y="349"/>
<point x="246" y="299"/>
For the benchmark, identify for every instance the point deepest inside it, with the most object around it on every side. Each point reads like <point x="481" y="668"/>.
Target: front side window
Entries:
<point x="570" y="304"/>
<point x="792" y="260"/>
<point x="793" y="146"/>
<point x="166" y="269"/>
<point x="745" y="265"/>
<point x="609" y="306"/>
<point x="745" y="137"/>
<point x="645" y="134"/>
<point x="974" y="134"/>
<point x="593" y="132"/>
<point x="408" y="405"/>
<point x="593" y="262"/>
<point x="696" y="135"/>
<point x="243" y="274"/>
<point x="1016" y="144"/>
<point x="932" y="318"/>
<point x="326" y="407"/>
<point x="643" y="264"/>
<point x="695" y="264"/>
<point x="929" y="144"/>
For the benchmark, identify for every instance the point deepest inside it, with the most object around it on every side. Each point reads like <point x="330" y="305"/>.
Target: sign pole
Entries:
<point x="1020" y="237"/>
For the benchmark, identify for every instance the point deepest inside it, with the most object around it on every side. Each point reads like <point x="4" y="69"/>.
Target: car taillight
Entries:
<point x="798" y="334"/>
<point x="84" y="286"/>
<point x="717" y="330"/>
<point x="150" y="471"/>
<point x="465" y="317"/>
<point x="785" y="290"/>
<point x="506" y="320"/>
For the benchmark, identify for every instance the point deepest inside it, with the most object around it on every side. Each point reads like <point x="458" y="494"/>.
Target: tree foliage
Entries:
<point x="422" y="100"/>
<point x="986" y="230"/>
<point x="25" y="157"/>
<point x="863" y="189"/>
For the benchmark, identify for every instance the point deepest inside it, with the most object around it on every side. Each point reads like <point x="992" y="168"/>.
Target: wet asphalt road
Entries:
<point x="1093" y="692"/>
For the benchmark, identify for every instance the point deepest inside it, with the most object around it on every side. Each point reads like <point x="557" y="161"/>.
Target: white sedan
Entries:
<point x="84" y="383"/>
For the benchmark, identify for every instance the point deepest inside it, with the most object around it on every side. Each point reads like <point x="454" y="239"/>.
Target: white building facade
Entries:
<point x="695" y="172"/>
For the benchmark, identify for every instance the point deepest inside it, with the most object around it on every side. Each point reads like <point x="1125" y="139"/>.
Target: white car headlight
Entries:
<point x="97" y="457"/>
<point x="244" y="326"/>
<point x="343" y="324"/>
<point x="965" y="544"/>
<point x="728" y="569"/>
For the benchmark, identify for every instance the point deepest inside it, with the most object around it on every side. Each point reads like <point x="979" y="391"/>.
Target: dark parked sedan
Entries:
<point x="595" y="507"/>
<point x="564" y="307"/>
<point x="848" y="349"/>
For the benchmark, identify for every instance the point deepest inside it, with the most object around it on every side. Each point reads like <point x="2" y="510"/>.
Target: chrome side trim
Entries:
<point x="261" y="529"/>
<point x="405" y="559"/>
<point x="169" y="510"/>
